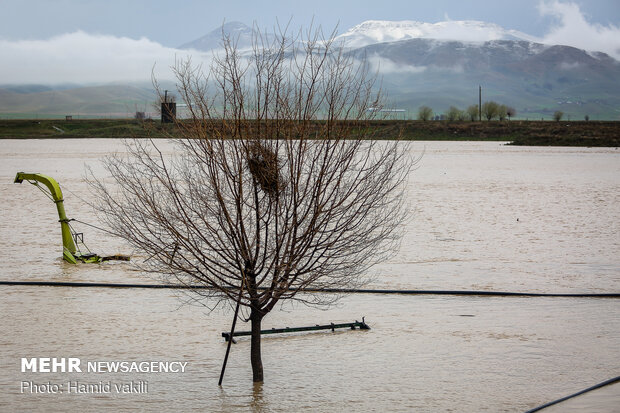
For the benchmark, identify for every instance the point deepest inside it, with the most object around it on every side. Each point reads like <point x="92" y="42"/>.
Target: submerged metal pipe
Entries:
<point x="318" y="290"/>
<point x="597" y="386"/>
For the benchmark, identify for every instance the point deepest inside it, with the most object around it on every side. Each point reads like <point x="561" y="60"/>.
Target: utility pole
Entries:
<point x="479" y="103"/>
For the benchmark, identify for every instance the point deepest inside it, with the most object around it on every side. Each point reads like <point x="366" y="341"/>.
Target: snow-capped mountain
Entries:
<point x="239" y="32"/>
<point x="380" y="31"/>
<point x="442" y="64"/>
<point x="537" y="79"/>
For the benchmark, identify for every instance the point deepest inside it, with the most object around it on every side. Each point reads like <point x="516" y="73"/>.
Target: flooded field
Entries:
<point x="484" y="216"/>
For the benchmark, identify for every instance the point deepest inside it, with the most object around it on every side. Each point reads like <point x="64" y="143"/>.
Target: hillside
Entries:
<point x="108" y="100"/>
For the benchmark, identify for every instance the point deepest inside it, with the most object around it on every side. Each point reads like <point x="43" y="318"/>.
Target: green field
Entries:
<point x="547" y="133"/>
<point x="77" y="128"/>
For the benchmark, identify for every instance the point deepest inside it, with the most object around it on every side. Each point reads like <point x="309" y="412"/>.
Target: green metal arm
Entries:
<point x="70" y="252"/>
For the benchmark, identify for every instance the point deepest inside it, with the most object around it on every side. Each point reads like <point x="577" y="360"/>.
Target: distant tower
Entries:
<point x="168" y="109"/>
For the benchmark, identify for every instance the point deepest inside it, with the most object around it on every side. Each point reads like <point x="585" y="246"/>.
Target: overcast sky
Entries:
<point x="129" y="35"/>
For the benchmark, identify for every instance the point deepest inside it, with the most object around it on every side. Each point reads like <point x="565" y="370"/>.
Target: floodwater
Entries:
<point x="484" y="216"/>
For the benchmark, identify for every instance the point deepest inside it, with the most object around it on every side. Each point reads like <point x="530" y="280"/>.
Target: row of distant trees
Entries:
<point x="490" y="111"/>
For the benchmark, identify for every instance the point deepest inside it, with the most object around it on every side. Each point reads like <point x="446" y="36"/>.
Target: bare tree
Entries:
<point x="276" y="186"/>
<point x="425" y="113"/>
<point x="472" y="112"/>
<point x="510" y="112"/>
<point x="490" y="110"/>
<point x="454" y="113"/>
<point x="502" y="112"/>
<point x="558" y="115"/>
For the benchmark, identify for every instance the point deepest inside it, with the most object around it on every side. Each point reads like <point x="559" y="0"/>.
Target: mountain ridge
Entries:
<point x="383" y="31"/>
<point x="417" y="70"/>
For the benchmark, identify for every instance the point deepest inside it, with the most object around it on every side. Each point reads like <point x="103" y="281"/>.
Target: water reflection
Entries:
<point x="258" y="402"/>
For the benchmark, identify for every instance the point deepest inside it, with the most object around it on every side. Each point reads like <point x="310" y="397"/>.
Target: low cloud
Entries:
<point x="81" y="57"/>
<point x="573" y="29"/>
<point x="387" y="66"/>
<point x="384" y="66"/>
<point x="569" y="66"/>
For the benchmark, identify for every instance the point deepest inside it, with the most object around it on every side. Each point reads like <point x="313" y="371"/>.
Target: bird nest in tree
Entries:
<point x="263" y="165"/>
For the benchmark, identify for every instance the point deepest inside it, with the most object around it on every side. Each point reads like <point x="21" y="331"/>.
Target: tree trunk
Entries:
<point x="255" y="354"/>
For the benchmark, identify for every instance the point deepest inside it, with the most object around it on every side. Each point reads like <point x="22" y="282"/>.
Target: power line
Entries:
<point x="317" y="290"/>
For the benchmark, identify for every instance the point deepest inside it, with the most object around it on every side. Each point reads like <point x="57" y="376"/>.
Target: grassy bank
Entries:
<point x="537" y="133"/>
<point x="83" y="128"/>
<point x="542" y="133"/>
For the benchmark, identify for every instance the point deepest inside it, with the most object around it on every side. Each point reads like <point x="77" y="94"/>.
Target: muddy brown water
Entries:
<point x="484" y="216"/>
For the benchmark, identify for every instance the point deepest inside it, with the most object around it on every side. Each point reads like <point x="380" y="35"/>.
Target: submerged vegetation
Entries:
<point x="545" y="133"/>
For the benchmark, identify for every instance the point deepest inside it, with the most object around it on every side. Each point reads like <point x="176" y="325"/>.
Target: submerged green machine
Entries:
<point x="70" y="239"/>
